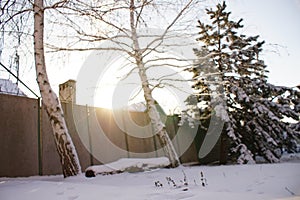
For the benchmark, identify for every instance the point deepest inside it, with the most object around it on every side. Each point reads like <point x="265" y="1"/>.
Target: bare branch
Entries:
<point x="145" y="3"/>
<point x="56" y="49"/>
<point x="160" y="39"/>
<point x="15" y="15"/>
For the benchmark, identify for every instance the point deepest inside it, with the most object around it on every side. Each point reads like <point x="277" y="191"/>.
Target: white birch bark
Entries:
<point x="159" y="127"/>
<point x="65" y="147"/>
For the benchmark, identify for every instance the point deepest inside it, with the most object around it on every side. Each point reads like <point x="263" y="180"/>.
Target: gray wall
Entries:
<point x="92" y="130"/>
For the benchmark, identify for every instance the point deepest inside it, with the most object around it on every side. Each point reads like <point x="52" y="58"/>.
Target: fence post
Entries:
<point x="153" y="136"/>
<point x="125" y="132"/>
<point x="89" y="134"/>
<point x="40" y="156"/>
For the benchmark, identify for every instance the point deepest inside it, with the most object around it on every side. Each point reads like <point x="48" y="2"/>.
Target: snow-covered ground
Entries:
<point x="261" y="181"/>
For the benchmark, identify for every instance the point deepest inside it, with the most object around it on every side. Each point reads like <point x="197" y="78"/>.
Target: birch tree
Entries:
<point x="159" y="127"/>
<point x="126" y="19"/>
<point x="16" y="27"/>
<point x="65" y="147"/>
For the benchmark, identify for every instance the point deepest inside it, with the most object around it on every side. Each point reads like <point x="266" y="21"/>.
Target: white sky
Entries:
<point x="276" y="21"/>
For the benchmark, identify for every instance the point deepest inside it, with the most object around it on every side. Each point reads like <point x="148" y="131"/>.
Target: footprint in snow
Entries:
<point x="72" y="197"/>
<point x="60" y="193"/>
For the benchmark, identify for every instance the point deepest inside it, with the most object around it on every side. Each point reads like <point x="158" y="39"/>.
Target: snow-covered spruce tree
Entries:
<point x="296" y="101"/>
<point x="255" y="108"/>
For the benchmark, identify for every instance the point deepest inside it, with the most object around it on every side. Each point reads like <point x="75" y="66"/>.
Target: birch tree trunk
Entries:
<point x="65" y="147"/>
<point x="159" y="127"/>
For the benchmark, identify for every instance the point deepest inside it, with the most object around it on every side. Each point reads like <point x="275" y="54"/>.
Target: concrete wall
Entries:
<point x="100" y="131"/>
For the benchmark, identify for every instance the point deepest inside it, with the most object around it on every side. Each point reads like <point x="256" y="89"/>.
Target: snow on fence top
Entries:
<point x="8" y="87"/>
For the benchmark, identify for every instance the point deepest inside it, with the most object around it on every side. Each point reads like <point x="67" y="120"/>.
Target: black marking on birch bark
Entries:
<point x="54" y="120"/>
<point x="65" y="159"/>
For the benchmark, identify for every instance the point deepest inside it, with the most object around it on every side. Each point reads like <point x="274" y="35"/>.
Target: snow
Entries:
<point x="245" y="155"/>
<point x="221" y="112"/>
<point x="137" y="107"/>
<point x="8" y="87"/>
<point x="130" y="164"/>
<point x="292" y="157"/>
<point x="260" y="181"/>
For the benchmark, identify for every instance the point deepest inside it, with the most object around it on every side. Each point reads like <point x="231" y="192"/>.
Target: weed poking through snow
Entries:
<point x="171" y="182"/>
<point x="158" y="184"/>
<point x="184" y="184"/>
<point x="203" y="179"/>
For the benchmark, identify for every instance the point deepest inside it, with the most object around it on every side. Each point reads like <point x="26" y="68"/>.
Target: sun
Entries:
<point x="119" y="86"/>
<point x="105" y="93"/>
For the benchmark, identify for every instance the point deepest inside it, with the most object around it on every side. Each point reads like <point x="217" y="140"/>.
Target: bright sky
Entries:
<point x="276" y="21"/>
<point x="114" y="91"/>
